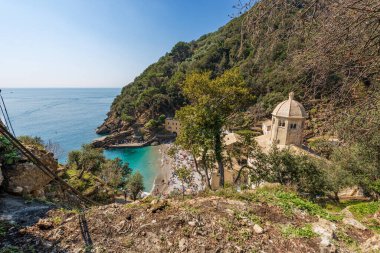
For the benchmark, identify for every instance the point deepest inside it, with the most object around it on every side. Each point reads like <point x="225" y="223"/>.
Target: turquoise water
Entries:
<point x="146" y="160"/>
<point x="69" y="117"/>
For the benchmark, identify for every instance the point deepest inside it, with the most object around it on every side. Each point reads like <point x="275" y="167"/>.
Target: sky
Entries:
<point x="96" y="43"/>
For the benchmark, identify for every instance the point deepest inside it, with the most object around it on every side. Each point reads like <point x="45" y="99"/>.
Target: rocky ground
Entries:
<point x="262" y="221"/>
<point x="17" y="210"/>
<point x="25" y="178"/>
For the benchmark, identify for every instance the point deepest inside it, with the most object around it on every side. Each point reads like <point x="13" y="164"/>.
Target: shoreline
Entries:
<point x="165" y="182"/>
<point x="160" y="183"/>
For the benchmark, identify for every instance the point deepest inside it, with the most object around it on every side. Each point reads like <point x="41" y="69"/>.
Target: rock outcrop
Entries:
<point x="114" y="138"/>
<point x="25" y="178"/>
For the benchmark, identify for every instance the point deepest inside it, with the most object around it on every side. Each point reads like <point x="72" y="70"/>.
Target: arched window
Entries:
<point x="281" y="123"/>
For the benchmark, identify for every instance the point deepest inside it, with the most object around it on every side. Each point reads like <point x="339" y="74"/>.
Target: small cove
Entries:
<point x="69" y="117"/>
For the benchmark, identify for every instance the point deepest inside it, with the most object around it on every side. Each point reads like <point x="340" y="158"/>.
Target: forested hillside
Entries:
<point x="326" y="51"/>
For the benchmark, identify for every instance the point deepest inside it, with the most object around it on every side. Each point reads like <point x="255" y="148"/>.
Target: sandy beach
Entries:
<point x="160" y="185"/>
<point x="166" y="182"/>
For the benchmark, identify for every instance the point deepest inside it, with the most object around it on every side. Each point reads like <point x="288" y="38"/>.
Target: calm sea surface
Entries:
<point x="69" y="117"/>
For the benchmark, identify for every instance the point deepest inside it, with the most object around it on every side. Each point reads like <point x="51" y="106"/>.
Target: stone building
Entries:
<point x="288" y="120"/>
<point x="172" y="125"/>
<point x="285" y="130"/>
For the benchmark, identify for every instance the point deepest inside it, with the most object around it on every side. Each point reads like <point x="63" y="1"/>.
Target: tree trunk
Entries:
<point x="336" y="197"/>
<point x="197" y="166"/>
<point x="205" y="167"/>
<point x="218" y="157"/>
<point x="239" y="173"/>
<point x="82" y="172"/>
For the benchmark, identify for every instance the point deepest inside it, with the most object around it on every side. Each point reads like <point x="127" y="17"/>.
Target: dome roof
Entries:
<point x="290" y="108"/>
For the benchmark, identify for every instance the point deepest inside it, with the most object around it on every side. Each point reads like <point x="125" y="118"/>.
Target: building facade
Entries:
<point x="172" y="125"/>
<point x="288" y="121"/>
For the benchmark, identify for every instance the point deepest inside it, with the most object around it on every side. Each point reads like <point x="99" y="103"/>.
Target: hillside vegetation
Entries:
<point x="326" y="51"/>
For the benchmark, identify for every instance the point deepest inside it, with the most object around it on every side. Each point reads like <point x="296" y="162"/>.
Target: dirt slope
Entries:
<point x="204" y="224"/>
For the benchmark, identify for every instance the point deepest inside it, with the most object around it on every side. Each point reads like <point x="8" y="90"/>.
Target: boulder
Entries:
<point x="352" y="192"/>
<point x="325" y="229"/>
<point x="258" y="229"/>
<point x="354" y="223"/>
<point x="26" y="178"/>
<point x="103" y="129"/>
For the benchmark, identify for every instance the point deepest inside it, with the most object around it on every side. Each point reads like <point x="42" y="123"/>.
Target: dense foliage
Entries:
<point x="213" y="101"/>
<point x="326" y="51"/>
<point x="8" y="154"/>
<point x="99" y="178"/>
<point x="278" y="46"/>
<point x="158" y="89"/>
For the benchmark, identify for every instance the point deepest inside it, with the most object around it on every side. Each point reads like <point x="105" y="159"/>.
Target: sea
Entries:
<point x="69" y="117"/>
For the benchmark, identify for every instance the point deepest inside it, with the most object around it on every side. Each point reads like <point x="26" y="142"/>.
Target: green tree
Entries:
<point x="115" y="173"/>
<point x="86" y="159"/>
<point x="360" y="156"/>
<point x="196" y="139"/>
<point x="161" y="119"/>
<point x="135" y="184"/>
<point x="337" y="176"/>
<point x="180" y="51"/>
<point x="300" y="171"/>
<point x="184" y="175"/>
<point x="213" y="101"/>
<point x="356" y="165"/>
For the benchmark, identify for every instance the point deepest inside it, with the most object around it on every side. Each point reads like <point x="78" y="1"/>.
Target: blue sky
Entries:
<point x="96" y="43"/>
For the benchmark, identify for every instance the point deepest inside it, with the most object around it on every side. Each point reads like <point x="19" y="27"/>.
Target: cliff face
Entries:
<point x="279" y="46"/>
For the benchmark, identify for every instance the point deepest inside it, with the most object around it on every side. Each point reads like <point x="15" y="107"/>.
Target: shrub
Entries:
<point x="32" y="141"/>
<point x="8" y="154"/>
<point x="151" y="124"/>
<point x="126" y="118"/>
<point x="300" y="171"/>
<point x="322" y="147"/>
<point x="135" y="184"/>
<point x="161" y="119"/>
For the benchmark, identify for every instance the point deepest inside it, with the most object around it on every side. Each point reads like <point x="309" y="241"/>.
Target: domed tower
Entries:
<point x="288" y="119"/>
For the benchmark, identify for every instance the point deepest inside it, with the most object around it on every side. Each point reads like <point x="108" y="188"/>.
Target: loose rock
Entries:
<point x="354" y="223"/>
<point x="258" y="229"/>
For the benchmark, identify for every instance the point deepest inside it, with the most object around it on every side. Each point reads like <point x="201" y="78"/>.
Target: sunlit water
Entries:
<point x="69" y="117"/>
